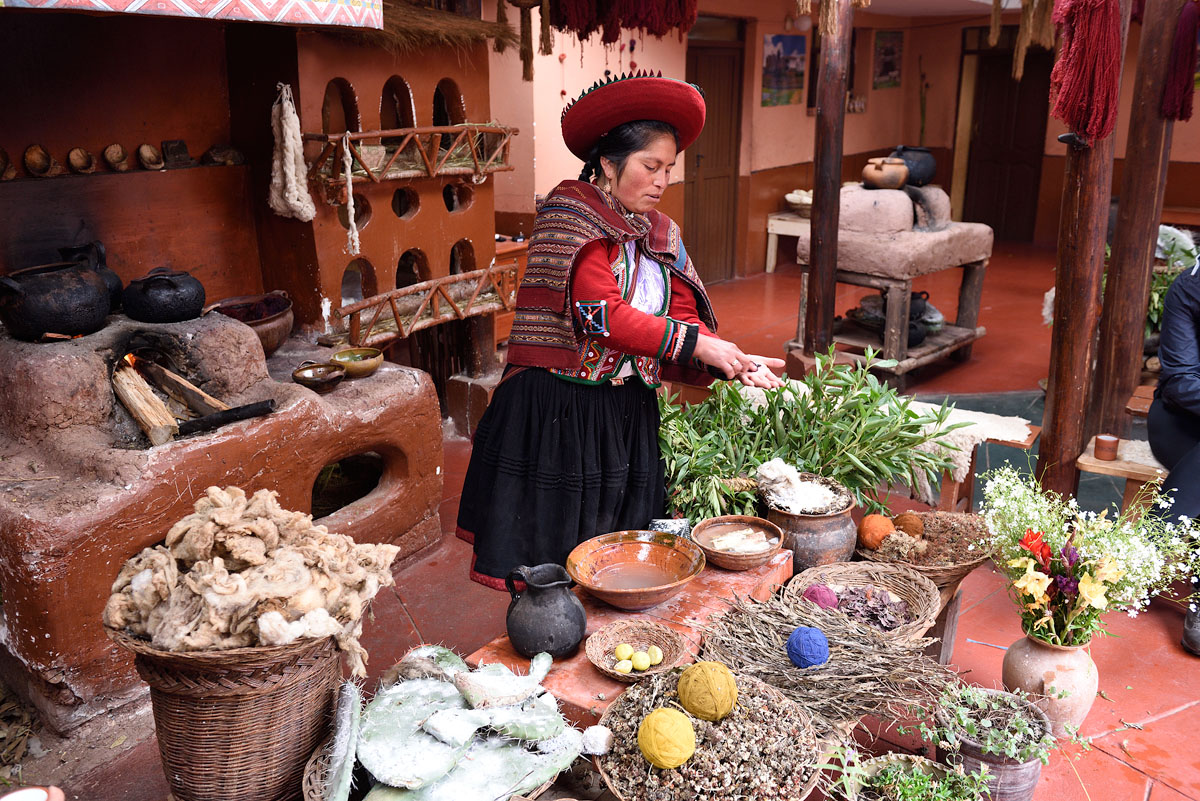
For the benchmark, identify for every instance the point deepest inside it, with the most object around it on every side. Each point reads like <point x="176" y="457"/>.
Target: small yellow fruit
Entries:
<point x="623" y="651"/>
<point x="624" y="666"/>
<point x="641" y="660"/>
<point x="655" y="653"/>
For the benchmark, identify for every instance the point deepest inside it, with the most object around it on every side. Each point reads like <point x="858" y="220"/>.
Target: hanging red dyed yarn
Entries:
<point x="1177" y="93"/>
<point x="1085" y="83"/>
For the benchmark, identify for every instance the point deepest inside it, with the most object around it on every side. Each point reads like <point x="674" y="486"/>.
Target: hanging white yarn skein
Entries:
<point x="288" y="195"/>
<point x="347" y="168"/>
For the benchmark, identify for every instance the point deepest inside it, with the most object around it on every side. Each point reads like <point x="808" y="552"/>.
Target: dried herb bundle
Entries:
<point x="766" y="748"/>
<point x="868" y="673"/>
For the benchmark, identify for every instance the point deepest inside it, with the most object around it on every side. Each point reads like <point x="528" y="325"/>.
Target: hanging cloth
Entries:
<point x="1085" y="83"/>
<point x="348" y="170"/>
<point x="288" y="194"/>
<point x="1177" y="94"/>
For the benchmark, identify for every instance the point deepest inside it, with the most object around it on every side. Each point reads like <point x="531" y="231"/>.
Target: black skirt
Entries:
<point x="555" y="462"/>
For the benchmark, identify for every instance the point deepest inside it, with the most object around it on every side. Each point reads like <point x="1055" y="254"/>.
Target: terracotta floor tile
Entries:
<point x="136" y="776"/>
<point x="1164" y="749"/>
<point x="1162" y="792"/>
<point x="1095" y="776"/>
<point x="389" y="635"/>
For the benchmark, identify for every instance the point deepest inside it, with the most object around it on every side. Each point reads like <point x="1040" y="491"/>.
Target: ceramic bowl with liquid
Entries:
<point x="635" y="570"/>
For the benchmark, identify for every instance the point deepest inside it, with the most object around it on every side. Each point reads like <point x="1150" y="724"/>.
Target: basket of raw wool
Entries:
<point x="894" y="598"/>
<point x="942" y="546"/>
<point x="238" y="724"/>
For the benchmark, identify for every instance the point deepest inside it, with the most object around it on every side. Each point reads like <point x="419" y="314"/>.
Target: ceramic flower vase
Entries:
<point x="1048" y="671"/>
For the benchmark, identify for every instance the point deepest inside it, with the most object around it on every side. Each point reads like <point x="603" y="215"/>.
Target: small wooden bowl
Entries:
<point x="674" y="559"/>
<point x="40" y="163"/>
<point x="358" y="362"/>
<point x="641" y="634"/>
<point x="150" y="158"/>
<point x="320" y="377"/>
<point x="116" y="158"/>
<point x="702" y="536"/>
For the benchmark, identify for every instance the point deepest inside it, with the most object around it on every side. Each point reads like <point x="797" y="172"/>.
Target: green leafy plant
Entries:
<point x="838" y="421"/>
<point x="1000" y="723"/>
<point x="1160" y="282"/>
<point x="855" y="780"/>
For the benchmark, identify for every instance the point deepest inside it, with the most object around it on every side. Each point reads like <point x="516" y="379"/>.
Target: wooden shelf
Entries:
<point x="856" y="339"/>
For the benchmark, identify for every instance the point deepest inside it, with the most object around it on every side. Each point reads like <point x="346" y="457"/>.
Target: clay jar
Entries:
<point x="884" y="173"/>
<point x="164" y="296"/>
<point x="1042" y="669"/>
<point x="1010" y="780"/>
<point x="546" y="617"/>
<point x="922" y="166"/>
<point x="817" y="539"/>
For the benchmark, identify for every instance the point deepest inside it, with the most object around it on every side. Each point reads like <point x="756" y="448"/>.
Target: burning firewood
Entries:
<point x="150" y="413"/>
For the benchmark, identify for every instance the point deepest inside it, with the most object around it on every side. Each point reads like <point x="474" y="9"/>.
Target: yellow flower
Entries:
<point x="1023" y="563"/>
<point x="1107" y="572"/>
<point x="1033" y="583"/>
<point x="1091" y="592"/>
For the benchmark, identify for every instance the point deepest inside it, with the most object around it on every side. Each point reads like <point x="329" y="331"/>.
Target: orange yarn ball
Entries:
<point x="873" y="530"/>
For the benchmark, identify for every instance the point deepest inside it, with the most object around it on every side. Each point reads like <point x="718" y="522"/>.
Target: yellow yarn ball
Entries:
<point x="708" y="690"/>
<point x="666" y="738"/>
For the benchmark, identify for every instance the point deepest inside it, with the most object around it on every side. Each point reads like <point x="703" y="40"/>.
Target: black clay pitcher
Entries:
<point x="546" y="617"/>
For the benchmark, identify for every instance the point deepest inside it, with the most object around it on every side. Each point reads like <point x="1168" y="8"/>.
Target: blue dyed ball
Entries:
<point x="807" y="647"/>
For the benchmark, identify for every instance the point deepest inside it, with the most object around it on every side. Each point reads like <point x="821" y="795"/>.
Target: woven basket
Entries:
<point x="738" y="561"/>
<point x="778" y="700"/>
<point x="641" y="634"/>
<point x="317" y="763"/>
<point x="872" y="767"/>
<point x="942" y="575"/>
<point x="238" y="724"/>
<point x="921" y="594"/>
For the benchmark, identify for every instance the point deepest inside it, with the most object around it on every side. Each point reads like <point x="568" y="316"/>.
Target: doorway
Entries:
<point x="1007" y="139"/>
<point x="710" y="183"/>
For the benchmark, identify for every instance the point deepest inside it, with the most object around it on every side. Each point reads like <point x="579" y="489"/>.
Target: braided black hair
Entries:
<point x="623" y="141"/>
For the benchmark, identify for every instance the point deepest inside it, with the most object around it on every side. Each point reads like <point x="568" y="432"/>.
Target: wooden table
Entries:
<point x="582" y="691"/>
<point x="787" y="223"/>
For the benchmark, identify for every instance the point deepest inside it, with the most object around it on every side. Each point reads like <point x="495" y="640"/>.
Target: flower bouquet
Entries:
<point x="1067" y="567"/>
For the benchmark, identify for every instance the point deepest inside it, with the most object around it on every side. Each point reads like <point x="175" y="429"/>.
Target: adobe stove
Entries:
<point x="83" y="487"/>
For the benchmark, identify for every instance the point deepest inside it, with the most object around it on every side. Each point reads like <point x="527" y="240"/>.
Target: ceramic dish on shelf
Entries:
<point x="320" y="377"/>
<point x="358" y="362"/>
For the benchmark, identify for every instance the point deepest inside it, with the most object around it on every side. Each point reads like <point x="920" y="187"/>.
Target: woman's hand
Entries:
<point x="723" y="355"/>
<point x="762" y="373"/>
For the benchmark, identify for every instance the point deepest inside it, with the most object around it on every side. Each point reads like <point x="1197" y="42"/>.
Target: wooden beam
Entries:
<point x="827" y="177"/>
<point x="1147" y="154"/>
<point x="147" y="410"/>
<point x="180" y="388"/>
<point x="1087" y="189"/>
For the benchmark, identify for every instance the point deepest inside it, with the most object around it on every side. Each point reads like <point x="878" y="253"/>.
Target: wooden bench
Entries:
<point x="1136" y="474"/>
<point x="1140" y="400"/>
<point x="959" y="496"/>
<point x="785" y="223"/>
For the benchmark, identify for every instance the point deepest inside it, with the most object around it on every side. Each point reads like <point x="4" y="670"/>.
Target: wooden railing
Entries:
<point x="412" y="308"/>
<point x="474" y="149"/>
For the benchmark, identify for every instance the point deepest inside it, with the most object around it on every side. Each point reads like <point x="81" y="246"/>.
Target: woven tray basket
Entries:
<point x="921" y="594"/>
<point x="314" y="770"/>
<point x="778" y="700"/>
<point x="872" y="767"/>
<point x="238" y="724"/>
<point x="641" y="634"/>
<point x="942" y="575"/>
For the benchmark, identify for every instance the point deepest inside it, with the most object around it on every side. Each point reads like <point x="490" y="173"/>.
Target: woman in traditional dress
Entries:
<point x="609" y="305"/>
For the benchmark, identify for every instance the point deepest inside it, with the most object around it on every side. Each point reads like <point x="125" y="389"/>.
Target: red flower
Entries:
<point x="1032" y="542"/>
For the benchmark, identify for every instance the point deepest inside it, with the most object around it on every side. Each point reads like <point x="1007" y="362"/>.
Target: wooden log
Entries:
<point x="180" y="388"/>
<point x="148" y="411"/>
<point x="827" y="177"/>
<point x="218" y="419"/>
<point x="1127" y="290"/>
<point x="1087" y="187"/>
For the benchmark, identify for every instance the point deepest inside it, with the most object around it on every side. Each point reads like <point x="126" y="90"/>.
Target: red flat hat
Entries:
<point x="640" y="96"/>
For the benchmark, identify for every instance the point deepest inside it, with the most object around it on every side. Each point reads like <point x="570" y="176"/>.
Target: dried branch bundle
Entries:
<point x="867" y="672"/>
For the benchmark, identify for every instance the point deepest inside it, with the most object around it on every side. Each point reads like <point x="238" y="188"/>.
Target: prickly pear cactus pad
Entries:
<point x="765" y="748"/>
<point x="426" y="662"/>
<point x="391" y="743"/>
<point x="345" y="742"/>
<point x="493" y="770"/>
<point x="496" y="685"/>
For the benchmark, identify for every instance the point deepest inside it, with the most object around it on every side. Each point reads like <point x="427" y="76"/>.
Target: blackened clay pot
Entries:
<point x="547" y="616"/>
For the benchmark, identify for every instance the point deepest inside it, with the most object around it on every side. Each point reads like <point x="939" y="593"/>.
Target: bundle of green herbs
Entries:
<point x="1003" y="724"/>
<point x="839" y="421"/>
<point x="895" y="777"/>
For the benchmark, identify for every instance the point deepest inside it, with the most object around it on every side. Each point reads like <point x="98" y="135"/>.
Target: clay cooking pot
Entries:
<point x="93" y="257"/>
<point x="65" y="298"/>
<point x="164" y="296"/>
<point x="270" y="316"/>
<point x="884" y="173"/>
<point x="546" y="616"/>
<point x="920" y="162"/>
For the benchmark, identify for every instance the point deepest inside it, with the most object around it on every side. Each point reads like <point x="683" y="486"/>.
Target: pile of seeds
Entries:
<point x="868" y="672"/>
<point x="950" y="538"/>
<point x="766" y="748"/>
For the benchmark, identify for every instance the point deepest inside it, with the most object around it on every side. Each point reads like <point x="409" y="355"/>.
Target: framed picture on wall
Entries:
<point x="784" y="58"/>
<point x="889" y="54"/>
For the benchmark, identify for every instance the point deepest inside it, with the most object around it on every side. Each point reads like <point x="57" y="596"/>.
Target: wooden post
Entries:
<point x="1087" y="188"/>
<point x="1147" y="154"/>
<point x="827" y="178"/>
